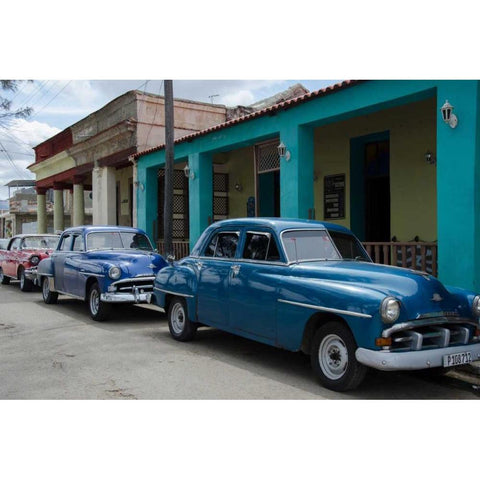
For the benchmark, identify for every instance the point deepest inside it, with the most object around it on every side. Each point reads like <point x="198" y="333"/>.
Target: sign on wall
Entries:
<point x="334" y="197"/>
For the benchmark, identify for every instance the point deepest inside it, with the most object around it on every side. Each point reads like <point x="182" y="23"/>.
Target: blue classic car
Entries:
<point x="310" y="286"/>
<point x="102" y="265"/>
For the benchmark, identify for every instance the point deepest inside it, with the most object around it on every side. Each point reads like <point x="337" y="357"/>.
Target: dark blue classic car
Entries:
<point x="102" y="265"/>
<point x="310" y="286"/>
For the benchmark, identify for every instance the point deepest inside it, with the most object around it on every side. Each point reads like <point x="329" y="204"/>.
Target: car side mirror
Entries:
<point x="170" y="259"/>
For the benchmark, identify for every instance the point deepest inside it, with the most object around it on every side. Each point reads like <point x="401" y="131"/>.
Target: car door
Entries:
<point x="74" y="281"/>
<point x="59" y="257"/>
<point x="214" y="267"/>
<point x="254" y="284"/>
<point x="11" y="264"/>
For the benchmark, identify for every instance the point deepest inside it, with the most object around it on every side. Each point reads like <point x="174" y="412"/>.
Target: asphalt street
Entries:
<point x="58" y="352"/>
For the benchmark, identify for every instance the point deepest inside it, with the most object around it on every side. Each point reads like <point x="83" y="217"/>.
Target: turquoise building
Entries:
<point x="395" y="161"/>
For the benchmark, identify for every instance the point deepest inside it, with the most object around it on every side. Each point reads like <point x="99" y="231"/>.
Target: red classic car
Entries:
<point x="21" y="257"/>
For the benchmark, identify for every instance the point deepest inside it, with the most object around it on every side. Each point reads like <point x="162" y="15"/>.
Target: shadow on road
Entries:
<point x="293" y="368"/>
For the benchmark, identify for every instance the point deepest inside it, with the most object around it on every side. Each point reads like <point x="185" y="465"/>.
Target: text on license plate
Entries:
<point x="457" y="359"/>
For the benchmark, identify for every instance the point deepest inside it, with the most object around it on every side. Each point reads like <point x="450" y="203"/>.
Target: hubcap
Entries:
<point x="22" y="280"/>
<point x="94" y="301"/>
<point x="333" y="357"/>
<point x="45" y="289"/>
<point x="178" y="318"/>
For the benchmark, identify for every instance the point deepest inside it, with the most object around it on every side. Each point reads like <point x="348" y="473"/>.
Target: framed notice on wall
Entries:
<point x="334" y="197"/>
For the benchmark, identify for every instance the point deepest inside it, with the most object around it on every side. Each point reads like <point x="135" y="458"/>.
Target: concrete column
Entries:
<point x="58" y="208"/>
<point x="78" y="217"/>
<point x="458" y="186"/>
<point x="41" y="210"/>
<point x="104" y="201"/>
<point x="200" y="194"/>
<point x="296" y="173"/>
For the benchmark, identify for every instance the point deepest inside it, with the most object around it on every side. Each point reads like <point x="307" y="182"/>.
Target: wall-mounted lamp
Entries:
<point x="283" y="152"/>
<point x="238" y="187"/>
<point x="429" y="158"/>
<point x="187" y="172"/>
<point x="140" y="185"/>
<point x="448" y="116"/>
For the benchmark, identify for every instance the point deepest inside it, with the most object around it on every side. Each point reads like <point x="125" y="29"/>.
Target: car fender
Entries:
<point x="300" y="300"/>
<point x="179" y="280"/>
<point x="45" y="269"/>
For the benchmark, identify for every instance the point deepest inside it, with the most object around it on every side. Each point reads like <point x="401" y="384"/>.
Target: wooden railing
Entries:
<point x="180" y="249"/>
<point x="416" y="255"/>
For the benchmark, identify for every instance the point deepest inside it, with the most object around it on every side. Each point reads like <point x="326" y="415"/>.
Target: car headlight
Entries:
<point x="34" y="260"/>
<point x="114" y="273"/>
<point x="476" y="306"/>
<point x="390" y="309"/>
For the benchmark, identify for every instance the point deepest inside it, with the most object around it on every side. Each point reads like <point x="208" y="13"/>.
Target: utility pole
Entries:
<point x="169" y="139"/>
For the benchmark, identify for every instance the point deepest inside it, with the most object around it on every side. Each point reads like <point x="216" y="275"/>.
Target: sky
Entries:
<point x="57" y="104"/>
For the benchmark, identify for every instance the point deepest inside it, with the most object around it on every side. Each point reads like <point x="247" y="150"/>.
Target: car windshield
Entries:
<point x="38" y="243"/>
<point x="118" y="240"/>
<point x="310" y="245"/>
<point x="349" y="247"/>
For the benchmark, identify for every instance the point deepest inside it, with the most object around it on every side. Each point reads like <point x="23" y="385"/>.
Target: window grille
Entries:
<point x="268" y="159"/>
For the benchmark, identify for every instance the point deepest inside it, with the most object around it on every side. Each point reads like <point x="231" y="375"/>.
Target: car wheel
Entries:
<point x="99" y="310"/>
<point x="333" y="358"/>
<point x="26" y="285"/>
<point x="49" y="297"/>
<point x="3" y="279"/>
<point x="181" y="328"/>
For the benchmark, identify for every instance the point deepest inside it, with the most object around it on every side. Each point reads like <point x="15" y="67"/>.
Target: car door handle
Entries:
<point x="235" y="269"/>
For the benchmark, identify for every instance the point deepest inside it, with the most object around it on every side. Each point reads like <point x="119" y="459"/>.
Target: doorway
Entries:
<point x="267" y="165"/>
<point x="370" y="187"/>
<point x="377" y="191"/>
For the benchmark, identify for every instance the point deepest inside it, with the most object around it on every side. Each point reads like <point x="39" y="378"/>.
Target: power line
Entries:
<point x="22" y="174"/>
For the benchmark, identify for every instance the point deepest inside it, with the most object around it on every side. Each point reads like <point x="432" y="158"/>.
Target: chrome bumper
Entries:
<point x="117" y="297"/>
<point x="412" y="360"/>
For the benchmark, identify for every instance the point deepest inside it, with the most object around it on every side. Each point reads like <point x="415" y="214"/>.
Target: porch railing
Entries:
<point x="416" y="255"/>
<point x="180" y="249"/>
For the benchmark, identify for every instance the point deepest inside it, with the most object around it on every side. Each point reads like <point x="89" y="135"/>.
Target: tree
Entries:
<point x="6" y="104"/>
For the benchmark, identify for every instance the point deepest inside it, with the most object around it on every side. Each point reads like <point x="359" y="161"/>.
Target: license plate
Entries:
<point x="457" y="359"/>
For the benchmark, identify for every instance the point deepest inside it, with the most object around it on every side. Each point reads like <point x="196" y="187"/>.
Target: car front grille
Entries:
<point x="439" y="333"/>
<point x="143" y="284"/>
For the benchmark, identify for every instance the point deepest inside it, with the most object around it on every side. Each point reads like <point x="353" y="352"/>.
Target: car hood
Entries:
<point x="419" y="292"/>
<point x="133" y="261"/>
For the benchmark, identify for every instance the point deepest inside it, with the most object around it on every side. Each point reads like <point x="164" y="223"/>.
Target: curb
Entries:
<point x="468" y="373"/>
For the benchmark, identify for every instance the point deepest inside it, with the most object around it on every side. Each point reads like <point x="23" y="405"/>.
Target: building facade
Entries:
<point x="375" y="156"/>
<point x="90" y="160"/>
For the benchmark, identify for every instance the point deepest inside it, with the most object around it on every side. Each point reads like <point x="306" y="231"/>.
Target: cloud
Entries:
<point x="242" y="97"/>
<point x="16" y="152"/>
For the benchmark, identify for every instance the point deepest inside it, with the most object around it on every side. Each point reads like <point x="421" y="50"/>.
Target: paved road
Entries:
<point x="58" y="352"/>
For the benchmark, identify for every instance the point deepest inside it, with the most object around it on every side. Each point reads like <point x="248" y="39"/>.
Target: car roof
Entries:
<point x="102" y="228"/>
<point x="278" y="224"/>
<point x="41" y="235"/>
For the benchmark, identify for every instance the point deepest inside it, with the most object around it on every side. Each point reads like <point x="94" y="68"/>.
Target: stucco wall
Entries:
<point x="239" y="164"/>
<point x="124" y="178"/>
<point x="412" y="131"/>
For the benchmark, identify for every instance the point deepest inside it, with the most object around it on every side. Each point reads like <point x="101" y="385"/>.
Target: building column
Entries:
<point x="296" y="173"/>
<point x="200" y="194"/>
<point x="104" y="201"/>
<point x="458" y="186"/>
<point x="41" y="210"/>
<point x="78" y="215"/>
<point x="58" y="208"/>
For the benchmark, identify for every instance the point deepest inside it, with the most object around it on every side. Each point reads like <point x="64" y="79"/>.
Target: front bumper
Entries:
<point x="412" y="360"/>
<point x="122" y="297"/>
